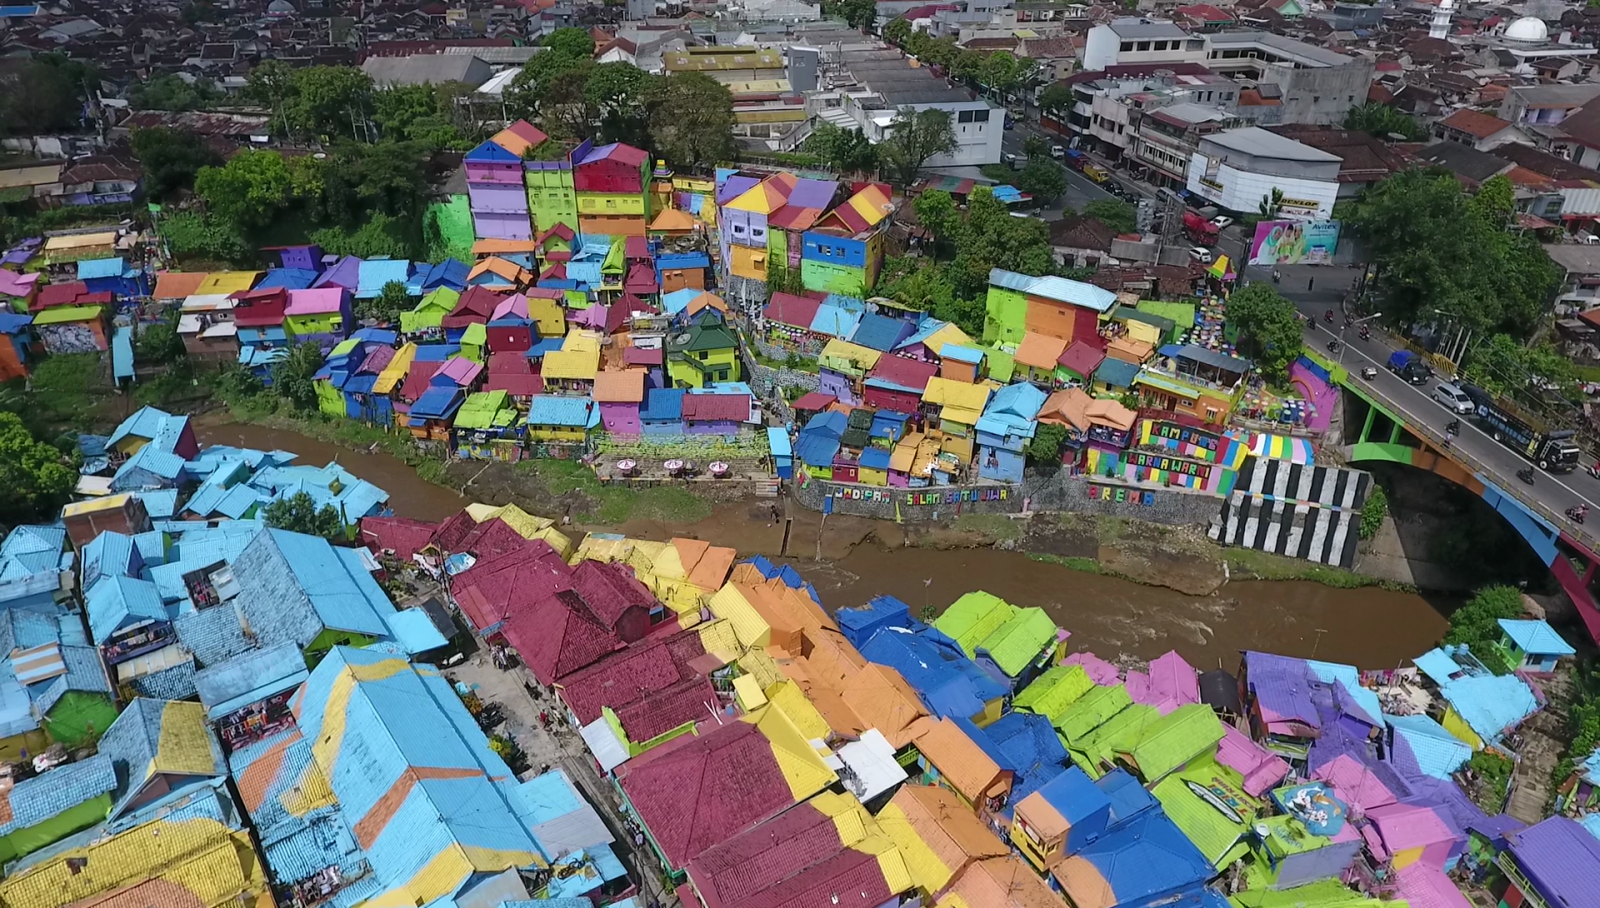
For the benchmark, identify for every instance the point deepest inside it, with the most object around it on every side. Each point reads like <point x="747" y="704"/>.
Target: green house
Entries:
<point x="49" y="807"/>
<point x="706" y="353"/>
<point x="1170" y="742"/>
<point x="475" y="341"/>
<point x="1052" y="692"/>
<point x="430" y="311"/>
<point x="1091" y="710"/>
<point x="1096" y="752"/>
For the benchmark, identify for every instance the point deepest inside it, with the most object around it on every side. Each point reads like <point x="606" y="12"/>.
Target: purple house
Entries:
<point x="715" y="414"/>
<point x="619" y="395"/>
<point x="496" y="193"/>
<point x="308" y="258"/>
<point x="346" y="273"/>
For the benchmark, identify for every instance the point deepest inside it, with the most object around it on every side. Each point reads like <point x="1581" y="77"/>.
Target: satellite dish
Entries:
<point x="1263" y="830"/>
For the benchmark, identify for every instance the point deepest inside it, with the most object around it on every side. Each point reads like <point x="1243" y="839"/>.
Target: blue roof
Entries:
<point x="670" y="260"/>
<point x="436" y="353"/>
<point x="816" y="449"/>
<point x="1032" y="749"/>
<point x="1145" y="858"/>
<point x="160" y="503"/>
<point x="288" y="279"/>
<point x="880" y="331"/>
<point x="1491" y="704"/>
<point x="572" y="412"/>
<point x="438" y="402"/>
<point x="678" y="300"/>
<point x="830" y="422"/>
<point x="778" y="442"/>
<point x="1012" y="411"/>
<point x="448" y="273"/>
<point x="875" y="458"/>
<point x="296" y="845"/>
<point x="1128" y="797"/>
<point x="662" y="405"/>
<point x="924" y="331"/>
<point x="961" y="354"/>
<point x="13" y="322"/>
<point x="110" y="553"/>
<point x="545" y="345"/>
<point x="415" y="631"/>
<point x="490" y="153"/>
<point x="384" y="337"/>
<point x="1536" y="637"/>
<point x="117" y="601"/>
<point x="1116" y="373"/>
<point x="1422" y="745"/>
<point x="375" y="273"/>
<point x="98" y="268"/>
<point x="949" y="683"/>
<point x="1074" y="795"/>
<point x="1060" y="289"/>
<point x="163" y="429"/>
<point x="294" y="586"/>
<point x="838" y="316"/>
<point x="249" y="678"/>
<point x="50" y="794"/>
<point x="860" y="623"/>
<point x="121" y="353"/>
<point x="133" y="742"/>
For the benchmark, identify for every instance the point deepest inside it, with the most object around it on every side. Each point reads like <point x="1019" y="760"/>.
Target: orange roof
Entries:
<point x="492" y="246"/>
<point x="961" y="763"/>
<point x="949" y="828"/>
<point x="1040" y="351"/>
<point x="172" y="285"/>
<point x="1009" y="883"/>
<point x="852" y="694"/>
<point x="1129" y="350"/>
<point x="1522" y="176"/>
<point x="519" y="137"/>
<point x="1110" y="413"/>
<point x="499" y="267"/>
<point x="1067" y="407"/>
<point x="673" y="219"/>
<point x="788" y="612"/>
<point x="705" y="564"/>
<point x="1084" y="883"/>
<point x="1474" y="123"/>
<point x="619" y="387"/>
<point x="704" y="300"/>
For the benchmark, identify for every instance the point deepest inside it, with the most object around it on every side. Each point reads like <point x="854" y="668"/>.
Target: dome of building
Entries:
<point x="1527" y="29"/>
<point x="280" y="8"/>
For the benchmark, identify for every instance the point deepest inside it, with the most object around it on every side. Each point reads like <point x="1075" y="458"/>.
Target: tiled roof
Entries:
<point x="1004" y="883"/>
<point x="716" y="407"/>
<point x="631" y="674"/>
<point x="962" y="764"/>
<point x="160" y="737"/>
<point x="619" y="387"/>
<point x="1475" y="123"/>
<point x="610" y="590"/>
<point x="938" y="836"/>
<point x="33" y="801"/>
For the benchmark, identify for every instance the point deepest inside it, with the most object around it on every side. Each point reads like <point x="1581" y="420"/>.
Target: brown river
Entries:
<point x="1371" y="628"/>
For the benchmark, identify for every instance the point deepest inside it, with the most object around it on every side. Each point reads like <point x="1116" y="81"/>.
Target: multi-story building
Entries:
<point x="1291" y="81"/>
<point x="866" y="90"/>
<point x="1165" y="138"/>
<point x="610" y="182"/>
<point x="1238" y="168"/>
<point x="1131" y="40"/>
<point x="495" y="188"/>
<point x="552" y="198"/>
<point x="1116" y="105"/>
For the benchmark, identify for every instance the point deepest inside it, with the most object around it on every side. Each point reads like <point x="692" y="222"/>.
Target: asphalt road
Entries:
<point x="1080" y="189"/>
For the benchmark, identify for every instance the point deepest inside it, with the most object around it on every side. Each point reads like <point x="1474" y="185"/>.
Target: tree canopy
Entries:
<point x="915" y="137"/>
<point x="843" y="150"/>
<point x="34" y="478"/>
<point x="1270" y="331"/>
<point x="691" y="122"/>
<point x="170" y="159"/>
<point x="172" y="92"/>
<point x="41" y="95"/>
<point x="1382" y="121"/>
<point x="247" y="191"/>
<point x="1120" y="216"/>
<point x="299" y="514"/>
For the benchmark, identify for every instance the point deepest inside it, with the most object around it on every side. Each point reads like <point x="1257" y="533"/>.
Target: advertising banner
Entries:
<point x="1294" y="243"/>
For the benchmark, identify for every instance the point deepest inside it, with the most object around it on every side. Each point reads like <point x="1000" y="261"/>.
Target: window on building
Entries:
<point x="964" y="116"/>
<point x="1144" y="45"/>
<point x="980" y="116"/>
<point x="1127" y="47"/>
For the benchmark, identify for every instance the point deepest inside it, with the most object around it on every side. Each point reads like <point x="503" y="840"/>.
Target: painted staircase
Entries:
<point x="1300" y="510"/>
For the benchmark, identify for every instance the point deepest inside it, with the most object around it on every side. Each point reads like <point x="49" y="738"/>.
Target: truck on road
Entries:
<point x="1410" y="367"/>
<point x="1198" y="229"/>
<point x="1076" y="159"/>
<point x="1552" y="449"/>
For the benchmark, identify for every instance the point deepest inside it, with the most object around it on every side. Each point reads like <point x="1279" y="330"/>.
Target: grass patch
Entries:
<point x="616" y="504"/>
<point x="1076" y="562"/>
<point x="994" y="526"/>
<point x="1250" y="564"/>
<point x="1494" y="779"/>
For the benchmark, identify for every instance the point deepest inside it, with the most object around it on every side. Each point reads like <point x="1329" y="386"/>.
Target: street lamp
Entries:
<point x="1356" y="322"/>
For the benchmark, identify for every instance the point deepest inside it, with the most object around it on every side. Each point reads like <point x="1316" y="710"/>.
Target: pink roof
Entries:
<point x="460" y="370"/>
<point x="815" y="400"/>
<point x="515" y="306"/>
<point x="1261" y="768"/>
<point x="1100" y="671"/>
<point x="1422" y="886"/>
<point x="1408" y="826"/>
<point x="1357" y="785"/>
<point x="402" y="535"/>
<point x="320" y="301"/>
<point x="717" y="407"/>
<point x="791" y="309"/>
<point x="1171" y="683"/>
<point x="1374" y="841"/>
<point x="653" y="664"/>
<point x="14" y="284"/>
<point x="641" y="356"/>
<point x="641" y="278"/>
<point x="912" y="373"/>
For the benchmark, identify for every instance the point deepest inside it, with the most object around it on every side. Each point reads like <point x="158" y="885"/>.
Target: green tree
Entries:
<point x="564" y="104"/>
<point x="1056" y="100"/>
<point x="170" y="159"/>
<point x="1271" y="203"/>
<point x="39" y="96"/>
<point x="1477" y="624"/>
<point x="299" y="514"/>
<point x="172" y="92"/>
<point x="248" y="191"/>
<point x="992" y="238"/>
<point x="1036" y="146"/>
<point x="1120" y="216"/>
<point x="421" y="113"/>
<point x="861" y="15"/>
<point x="1043" y="180"/>
<point x="1495" y="201"/>
<point x="692" y="120"/>
<point x="842" y="150"/>
<point x="1044" y="449"/>
<point x="936" y="211"/>
<point x="916" y="136"/>
<point x="160" y="343"/>
<point x="1002" y="72"/>
<point x="570" y="42"/>
<point x="1382" y="121"/>
<point x="331" y="101"/>
<point x="293" y="378"/>
<point x="1373" y="511"/>
<point x="390" y="178"/>
<point x="34" y="479"/>
<point x="1269" y="328"/>
<point x="897" y="31"/>
<point x="386" y="307"/>
<point x="618" y="93"/>
<point x="1503" y="366"/>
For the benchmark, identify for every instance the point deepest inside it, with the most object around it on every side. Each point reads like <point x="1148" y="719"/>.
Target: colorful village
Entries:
<point x="665" y="326"/>
<point x="200" y="709"/>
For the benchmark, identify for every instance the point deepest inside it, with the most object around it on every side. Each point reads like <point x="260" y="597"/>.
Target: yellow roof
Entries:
<point x="962" y="402"/>
<point x="395" y="373"/>
<point x="937" y="834"/>
<point x="865" y="357"/>
<point x="581" y="340"/>
<point x="801" y="765"/>
<point x="80" y="241"/>
<point x="749" y="693"/>
<point x="949" y="334"/>
<point x="108" y="503"/>
<point x="788" y="697"/>
<point x="227" y="282"/>
<point x="571" y="364"/>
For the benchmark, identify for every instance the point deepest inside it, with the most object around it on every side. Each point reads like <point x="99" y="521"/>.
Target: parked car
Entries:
<point x="1222" y="221"/>
<point x="1203" y="256"/>
<point x="1012" y="161"/>
<point x="1057" y="152"/>
<point x="1098" y="174"/>
<point x="1454" y="399"/>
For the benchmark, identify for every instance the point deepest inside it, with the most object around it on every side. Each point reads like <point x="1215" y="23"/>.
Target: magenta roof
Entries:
<point x="717" y="407"/>
<point x="624" y="154"/>
<point x="1407" y="826"/>
<point x="910" y="373"/>
<point x="1262" y="769"/>
<point x="791" y="309"/>
<point x="641" y="356"/>
<point x="1100" y="671"/>
<point x="1357" y="784"/>
<point x="515" y="306"/>
<point x="1170" y="683"/>
<point x="316" y="301"/>
<point x="460" y="370"/>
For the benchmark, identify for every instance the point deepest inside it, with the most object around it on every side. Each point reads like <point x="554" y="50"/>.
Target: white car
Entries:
<point x="1454" y="399"/>
<point x="1057" y="152"/>
<point x="1201" y="255"/>
<point x="1222" y="221"/>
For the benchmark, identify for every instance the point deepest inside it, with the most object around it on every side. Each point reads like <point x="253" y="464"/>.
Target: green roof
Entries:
<point x="1128" y="313"/>
<point x="344" y="346"/>
<point x="486" y="410"/>
<point x="1002" y="365"/>
<point x="1099" y="747"/>
<point x="1218" y="836"/>
<point x="430" y="312"/>
<point x="1052" y="692"/>
<point x="1321" y="894"/>
<point x="1091" y="711"/>
<point x="614" y="261"/>
<point x="1180" y="736"/>
<point x="1013" y="637"/>
<point x="56" y="315"/>
<point x="1288" y="836"/>
<point x="702" y="336"/>
<point x="476" y="335"/>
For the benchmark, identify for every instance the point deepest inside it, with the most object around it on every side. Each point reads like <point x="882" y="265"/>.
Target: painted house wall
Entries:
<point x="506" y="197"/>
<point x="1060" y="320"/>
<point x="886" y="399"/>
<point x="823" y="247"/>
<point x="557" y="434"/>
<point x="840" y="386"/>
<point x="551" y="197"/>
<point x="493" y="172"/>
<point x="611" y="225"/>
<point x="620" y="418"/>
<point x="713" y="427"/>
<point x="611" y="203"/>
<point x="260" y="336"/>
<point x="321" y="326"/>
<point x="502" y="225"/>
<point x="997" y="463"/>
<point x="748" y="262"/>
<point x="662" y="428"/>
<point x="830" y="277"/>
<point x="744" y="228"/>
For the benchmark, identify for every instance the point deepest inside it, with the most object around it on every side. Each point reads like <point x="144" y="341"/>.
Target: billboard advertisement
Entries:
<point x="1294" y="243"/>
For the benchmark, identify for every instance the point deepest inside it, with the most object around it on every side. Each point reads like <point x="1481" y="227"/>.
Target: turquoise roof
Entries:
<point x="1536" y="637"/>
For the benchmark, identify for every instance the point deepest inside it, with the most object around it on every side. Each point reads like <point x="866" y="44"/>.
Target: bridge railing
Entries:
<point x="1472" y="463"/>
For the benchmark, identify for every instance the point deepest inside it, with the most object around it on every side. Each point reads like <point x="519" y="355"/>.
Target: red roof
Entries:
<point x="791" y="309"/>
<point x="641" y="278"/>
<point x="401" y="535"/>
<point x="417" y="379"/>
<point x="794" y="860"/>
<point x="260" y="308"/>
<point x="68" y="294"/>
<point x="1475" y="123"/>
<point x="476" y="305"/>
<point x="557" y="635"/>
<point x="610" y="590"/>
<point x="643" y="356"/>
<point x="559" y="230"/>
<point x="695" y="792"/>
<point x="635" y="673"/>
<point x="1081" y="358"/>
<point x="716" y="407"/>
<point x="513" y="373"/>
<point x="493" y="538"/>
<point x="649" y="717"/>
<point x="527" y="132"/>
<point x="912" y="373"/>
<point x="1204" y="12"/>
<point x="619" y="152"/>
<point x="494" y="588"/>
<point x="636" y="247"/>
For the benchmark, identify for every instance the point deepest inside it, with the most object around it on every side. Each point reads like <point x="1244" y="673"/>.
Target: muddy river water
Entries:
<point x="1370" y="628"/>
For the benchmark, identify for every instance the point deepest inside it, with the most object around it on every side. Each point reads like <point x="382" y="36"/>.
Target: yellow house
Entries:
<point x="748" y="262"/>
<point x="960" y="404"/>
<point x="621" y="203"/>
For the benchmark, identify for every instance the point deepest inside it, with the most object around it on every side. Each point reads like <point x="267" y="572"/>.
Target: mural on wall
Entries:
<point x="1156" y="467"/>
<point x="1294" y="243"/>
<point x="62" y="339"/>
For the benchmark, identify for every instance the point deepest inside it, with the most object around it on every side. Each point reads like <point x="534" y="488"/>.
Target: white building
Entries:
<point x="1128" y="41"/>
<point x="867" y="89"/>
<point x="1239" y="168"/>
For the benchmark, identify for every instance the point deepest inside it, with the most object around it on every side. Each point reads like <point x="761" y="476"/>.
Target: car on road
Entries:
<point x="1057" y="152"/>
<point x="1010" y="124"/>
<point x="1222" y="221"/>
<point x="1011" y="160"/>
<point x="1203" y="256"/>
<point x="1096" y="173"/>
<point x="1454" y="399"/>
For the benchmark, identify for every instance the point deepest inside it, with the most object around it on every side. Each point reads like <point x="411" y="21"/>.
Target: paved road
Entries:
<point x="1080" y="189"/>
<point x="1550" y="494"/>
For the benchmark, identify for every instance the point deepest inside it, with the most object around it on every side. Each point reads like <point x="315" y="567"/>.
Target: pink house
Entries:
<point x="619" y="395"/>
<point x="1417" y="834"/>
<point x="1262" y="769"/>
<point x="1170" y="683"/>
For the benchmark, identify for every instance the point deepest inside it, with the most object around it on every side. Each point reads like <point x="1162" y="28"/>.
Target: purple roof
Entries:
<point x="324" y="301"/>
<point x="345" y="273"/>
<point x="1282" y="689"/>
<point x="735" y="186"/>
<point x="458" y="369"/>
<point x="515" y="306"/>
<point x="813" y="193"/>
<point x="626" y="154"/>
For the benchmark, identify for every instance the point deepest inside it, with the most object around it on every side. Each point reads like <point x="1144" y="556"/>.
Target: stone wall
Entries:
<point x="1081" y="495"/>
<point x="932" y="503"/>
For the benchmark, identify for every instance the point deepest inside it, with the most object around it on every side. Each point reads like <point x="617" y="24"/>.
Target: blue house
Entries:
<point x="1004" y="430"/>
<point x="1533" y="645"/>
<point x="306" y="257"/>
<point x="949" y="683"/>
<point x="1031" y="749"/>
<point x="112" y="276"/>
<point x="32" y="559"/>
<point x="428" y="278"/>
<point x="782" y="452"/>
<point x="662" y="411"/>
<point x="373" y="274"/>
<point x="881" y="332"/>
<point x="286" y="279"/>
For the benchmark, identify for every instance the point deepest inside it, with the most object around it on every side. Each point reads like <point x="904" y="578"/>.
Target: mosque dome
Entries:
<point x="1529" y="29"/>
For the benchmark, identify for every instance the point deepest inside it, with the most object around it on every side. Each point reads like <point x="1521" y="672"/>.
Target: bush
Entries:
<point x="380" y="235"/>
<point x="1477" y="624"/>
<point x="195" y="236"/>
<point x="1373" y="512"/>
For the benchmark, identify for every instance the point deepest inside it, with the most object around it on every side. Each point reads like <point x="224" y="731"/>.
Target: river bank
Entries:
<point x="1121" y="586"/>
